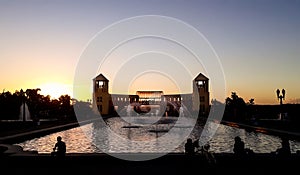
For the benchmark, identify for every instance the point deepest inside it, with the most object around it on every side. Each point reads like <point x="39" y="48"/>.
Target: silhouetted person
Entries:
<point x="189" y="147"/>
<point x="285" y="150"/>
<point x="196" y="145"/>
<point x="208" y="154"/>
<point x="239" y="146"/>
<point x="59" y="148"/>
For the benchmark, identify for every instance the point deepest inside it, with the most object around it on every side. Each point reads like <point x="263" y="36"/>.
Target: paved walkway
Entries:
<point x="173" y="163"/>
<point x="15" y="150"/>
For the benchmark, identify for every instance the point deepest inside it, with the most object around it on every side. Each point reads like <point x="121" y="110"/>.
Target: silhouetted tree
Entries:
<point x="10" y="106"/>
<point x="251" y="101"/>
<point x="216" y="102"/>
<point x="83" y="109"/>
<point x="216" y="109"/>
<point x="33" y="100"/>
<point x="65" y="105"/>
<point x="39" y="106"/>
<point x="235" y="107"/>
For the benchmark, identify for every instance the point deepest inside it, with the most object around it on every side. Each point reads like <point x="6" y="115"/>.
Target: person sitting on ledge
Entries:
<point x="59" y="148"/>
<point x="239" y="146"/>
<point x="189" y="147"/>
<point x="208" y="154"/>
<point x="285" y="150"/>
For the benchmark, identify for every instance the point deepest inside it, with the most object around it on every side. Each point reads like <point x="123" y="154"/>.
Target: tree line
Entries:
<point x="39" y="106"/>
<point x="237" y="109"/>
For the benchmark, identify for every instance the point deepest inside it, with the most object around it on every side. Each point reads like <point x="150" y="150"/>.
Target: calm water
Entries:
<point x="85" y="139"/>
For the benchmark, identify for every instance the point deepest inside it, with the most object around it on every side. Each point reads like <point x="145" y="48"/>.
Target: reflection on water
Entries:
<point x="223" y="140"/>
<point x="85" y="138"/>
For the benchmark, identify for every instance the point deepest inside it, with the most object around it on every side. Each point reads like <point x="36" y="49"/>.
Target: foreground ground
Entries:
<point x="173" y="163"/>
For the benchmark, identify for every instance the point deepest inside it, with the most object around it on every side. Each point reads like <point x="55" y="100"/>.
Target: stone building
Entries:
<point x="150" y="102"/>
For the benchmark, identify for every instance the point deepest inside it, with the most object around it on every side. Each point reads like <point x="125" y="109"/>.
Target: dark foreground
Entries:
<point x="174" y="163"/>
<point x="17" y="162"/>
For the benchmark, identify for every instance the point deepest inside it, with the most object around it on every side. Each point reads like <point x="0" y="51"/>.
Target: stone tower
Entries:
<point x="201" y="94"/>
<point x="101" y="96"/>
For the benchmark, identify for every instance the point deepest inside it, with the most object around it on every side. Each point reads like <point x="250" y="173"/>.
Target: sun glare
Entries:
<point x="55" y="90"/>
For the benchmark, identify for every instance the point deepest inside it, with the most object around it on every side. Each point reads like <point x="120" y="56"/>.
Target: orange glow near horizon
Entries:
<point x="55" y="90"/>
<point x="154" y="82"/>
<point x="150" y="82"/>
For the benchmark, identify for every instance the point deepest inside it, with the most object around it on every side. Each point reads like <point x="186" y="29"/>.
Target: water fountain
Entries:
<point x="159" y="121"/>
<point x="181" y="112"/>
<point x="129" y="119"/>
<point x="24" y="114"/>
<point x="128" y="110"/>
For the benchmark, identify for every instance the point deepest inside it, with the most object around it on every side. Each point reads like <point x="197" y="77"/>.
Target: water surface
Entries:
<point x="85" y="139"/>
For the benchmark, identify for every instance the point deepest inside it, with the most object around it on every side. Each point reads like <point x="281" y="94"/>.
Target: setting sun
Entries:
<point x="55" y="90"/>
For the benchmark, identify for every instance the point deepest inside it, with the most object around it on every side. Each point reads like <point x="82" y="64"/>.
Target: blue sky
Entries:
<point x="258" y="42"/>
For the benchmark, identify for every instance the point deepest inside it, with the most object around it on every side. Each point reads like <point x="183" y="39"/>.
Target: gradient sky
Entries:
<point x="258" y="42"/>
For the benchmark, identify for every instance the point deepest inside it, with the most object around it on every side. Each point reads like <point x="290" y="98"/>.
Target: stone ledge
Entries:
<point x="15" y="150"/>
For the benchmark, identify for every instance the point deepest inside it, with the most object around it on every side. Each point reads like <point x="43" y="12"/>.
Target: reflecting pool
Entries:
<point x="141" y="134"/>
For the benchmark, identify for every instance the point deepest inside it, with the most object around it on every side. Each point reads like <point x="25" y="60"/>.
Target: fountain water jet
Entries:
<point x="24" y="114"/>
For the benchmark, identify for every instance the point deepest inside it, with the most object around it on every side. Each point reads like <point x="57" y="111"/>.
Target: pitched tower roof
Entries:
<point x="201" y="77"/>
<point x="101" y="77"/>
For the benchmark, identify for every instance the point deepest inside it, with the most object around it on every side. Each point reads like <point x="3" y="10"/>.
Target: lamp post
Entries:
<point x="281" y="96"/>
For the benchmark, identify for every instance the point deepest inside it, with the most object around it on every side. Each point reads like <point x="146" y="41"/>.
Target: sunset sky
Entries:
<point x="257" y="42"/>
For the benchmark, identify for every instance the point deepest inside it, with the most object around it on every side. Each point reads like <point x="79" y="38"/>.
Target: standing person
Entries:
<point x="59" y="148"/>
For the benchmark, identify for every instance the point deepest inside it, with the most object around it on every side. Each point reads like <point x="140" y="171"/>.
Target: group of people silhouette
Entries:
<point x="239" y="150"/>
<point x="191" y="148"/>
